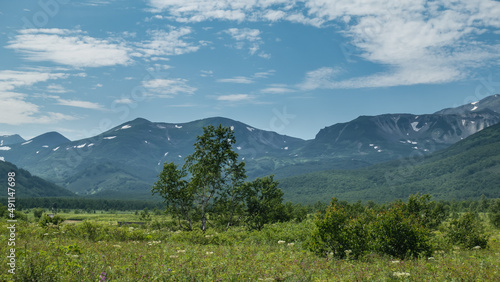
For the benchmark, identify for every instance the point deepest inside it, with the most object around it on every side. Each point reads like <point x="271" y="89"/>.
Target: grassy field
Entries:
<point x="97" y="249"/>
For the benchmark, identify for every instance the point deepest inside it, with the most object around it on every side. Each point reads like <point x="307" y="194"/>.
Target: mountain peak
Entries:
<point x="491" y="103"/>
<point x="50" y="139"/>
<point x="10" y="139"/>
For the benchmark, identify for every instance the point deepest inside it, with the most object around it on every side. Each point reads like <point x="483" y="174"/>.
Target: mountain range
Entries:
<point x="124" y="161"/>
<point x="466" y="170"/>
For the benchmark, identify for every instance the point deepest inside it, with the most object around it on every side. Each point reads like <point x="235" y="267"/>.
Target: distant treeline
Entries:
<point x="88" y="204"/>
<point x="83" y="204"/>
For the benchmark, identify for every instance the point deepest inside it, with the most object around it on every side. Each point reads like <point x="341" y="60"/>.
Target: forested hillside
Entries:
<point x="466" y="170"/>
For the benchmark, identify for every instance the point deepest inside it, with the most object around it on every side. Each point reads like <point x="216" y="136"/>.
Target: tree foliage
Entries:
<point x="208" y="186"/>
<point x="263" y="201"/>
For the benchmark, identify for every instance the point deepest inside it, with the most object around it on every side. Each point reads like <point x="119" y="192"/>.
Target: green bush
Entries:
<point x="46" y="220"/>
<point x="346" y="230"/>
<point x="494" y="214"/>
<point x="339" y="234"/>
<point x="38" y="212"/>
<point x="401" y="235"/>
<point x="467" y="231"/>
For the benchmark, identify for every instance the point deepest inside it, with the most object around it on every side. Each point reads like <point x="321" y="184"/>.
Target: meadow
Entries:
<point x="98" y="249"/>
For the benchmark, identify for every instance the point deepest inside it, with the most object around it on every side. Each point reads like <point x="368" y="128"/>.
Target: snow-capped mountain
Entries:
<point x="125" y="160"/>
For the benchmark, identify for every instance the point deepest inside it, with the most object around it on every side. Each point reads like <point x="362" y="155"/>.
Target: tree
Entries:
<point x="177" y="194"/>
<point x="494" y="213"/>
<point x="263" y="202"/>
<point x="215" y="179"/>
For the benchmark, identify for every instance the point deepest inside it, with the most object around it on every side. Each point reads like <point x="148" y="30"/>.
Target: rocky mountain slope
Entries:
<point x="125" y="160"/>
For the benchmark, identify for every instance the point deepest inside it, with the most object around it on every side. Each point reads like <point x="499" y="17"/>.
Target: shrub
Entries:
<point x="38" y="212"/>
<point x="430" y="213"/>
<point x="346" y="230"/>
<point x="46" y="220"/>
<point x="467" y="231"/>
<point x="494" y="214"/>
<point x="339" y="234"/>
<point x="401" y="235"/>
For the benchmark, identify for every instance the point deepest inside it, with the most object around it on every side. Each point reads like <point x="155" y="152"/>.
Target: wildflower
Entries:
<point x="208" y="236"/>
<point x="347" y="252"/>
<point x="103" y="276"/>
<point x="281" y="242"/>
<point x="401" y="274"/>
<point x="430" y="258"/>
<point x="45" y="234"/>
<point x="291" y="244"/>
<point x="209" y="253"/>
<point x="75" y="256"/>
<point x="477" y="248"/>
<point x="173" y="256"/>
<point x="181" y="251"/>
<point x="395" y="261"/>
<point x="117" y="246"/>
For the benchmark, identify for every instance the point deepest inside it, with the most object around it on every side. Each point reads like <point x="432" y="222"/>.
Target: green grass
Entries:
<point x="63" y="253"/>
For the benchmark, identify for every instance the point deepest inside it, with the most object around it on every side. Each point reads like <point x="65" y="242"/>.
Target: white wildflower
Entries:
<point x="477" y="248"/>
<point x="181" y="251"/>
<point x="291" y="244"/>
<point x="281" y="242"/>
<point x="401" y="274"/>
<point x="209" y="253"/>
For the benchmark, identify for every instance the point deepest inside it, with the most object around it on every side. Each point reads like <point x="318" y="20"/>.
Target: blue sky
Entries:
<point x="294" y="67"/>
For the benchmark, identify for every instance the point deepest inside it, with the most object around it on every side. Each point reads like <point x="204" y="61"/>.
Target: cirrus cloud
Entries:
<point x="69" y="47"/>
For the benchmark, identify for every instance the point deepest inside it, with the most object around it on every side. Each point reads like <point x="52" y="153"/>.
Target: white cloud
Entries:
<point x="246" y="37"/>
<point x="79" y="104"/>
<point x="264" y="74"/>
<point x="14" y="109"/>
<point x="207" y="73"/>
<point x="123" y="101"/>
<point x="237" y="79"/>
<point x="247" y="80"/>
<point x="170" y="43"/>
<point x="56" y="88"/>
<point x="167" y="88"/>
<point x="431" y="41"/>
<point x="419" y="42"/>
<point x="69" y="47"/>
<point x="234" y="97"/>
<point x="277" y="89"/>
<point x="320" y="78"/>
<point x="9" y="80"/>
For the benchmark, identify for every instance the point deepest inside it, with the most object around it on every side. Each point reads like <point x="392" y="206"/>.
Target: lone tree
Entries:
<point x="214" y="184"/>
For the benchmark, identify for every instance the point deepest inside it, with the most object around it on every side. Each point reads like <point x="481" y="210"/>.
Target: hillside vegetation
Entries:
<point x="466" y="170"/>
<point x="28" y="185"/>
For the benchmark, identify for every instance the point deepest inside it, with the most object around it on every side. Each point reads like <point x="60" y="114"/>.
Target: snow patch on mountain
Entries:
<point x="27" y="142"/>
<point x="5" y="148"/>
<point x="126" y="126"/>
<point x="109" y="137"/>
<point x="414" y="126"/>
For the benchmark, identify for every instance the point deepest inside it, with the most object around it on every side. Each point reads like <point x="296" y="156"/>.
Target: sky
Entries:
<point x="290" y="66"/>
